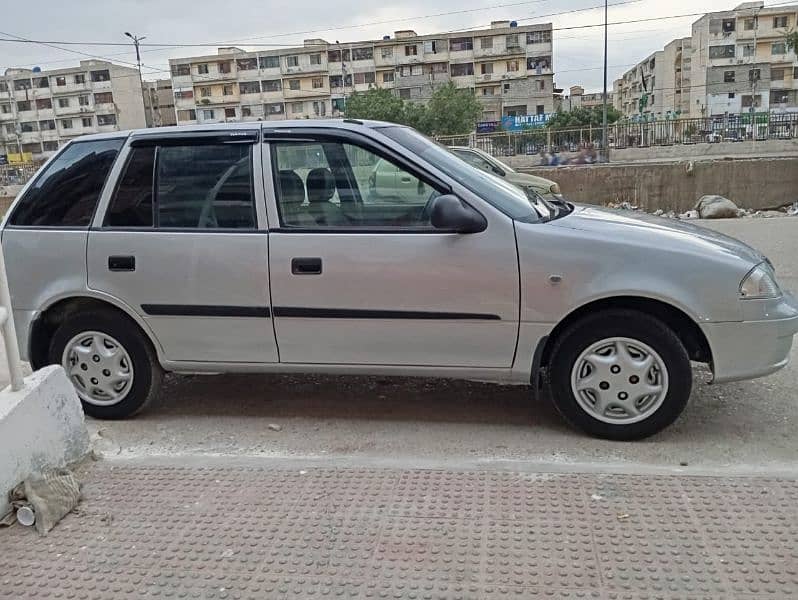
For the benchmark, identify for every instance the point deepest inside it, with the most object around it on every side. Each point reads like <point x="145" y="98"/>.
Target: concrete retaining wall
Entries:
<point x="750" y="183"/>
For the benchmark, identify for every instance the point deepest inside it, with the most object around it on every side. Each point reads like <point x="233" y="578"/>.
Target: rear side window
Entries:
<point x="66" y="192"/>
<point x="205" y="186"/>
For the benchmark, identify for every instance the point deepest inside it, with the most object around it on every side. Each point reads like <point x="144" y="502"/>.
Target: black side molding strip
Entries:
<point x="356" y="313"/>
<point x="204" y="310"/>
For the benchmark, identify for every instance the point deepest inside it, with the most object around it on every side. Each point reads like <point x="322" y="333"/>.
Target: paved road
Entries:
<point x="393" y="422"/>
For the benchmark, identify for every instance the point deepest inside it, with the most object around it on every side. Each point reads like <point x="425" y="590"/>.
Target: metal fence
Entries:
<point x="17" y="174"/>
<point x="627" y="134"/>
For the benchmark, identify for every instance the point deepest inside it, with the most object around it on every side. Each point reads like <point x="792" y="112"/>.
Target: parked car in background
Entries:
<point x="259" y="247"/>
<point x="485" y="162"/>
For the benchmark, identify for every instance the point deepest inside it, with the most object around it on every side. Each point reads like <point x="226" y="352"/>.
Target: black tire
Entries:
<point x="629" y="324"/>
<point x="147" y="372"/>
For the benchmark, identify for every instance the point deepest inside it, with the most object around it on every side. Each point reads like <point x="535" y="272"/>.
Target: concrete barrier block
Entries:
<point x="41" y="427"/>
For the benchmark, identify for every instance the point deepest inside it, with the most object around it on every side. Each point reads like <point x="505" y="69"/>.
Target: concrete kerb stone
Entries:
<point x="41" y="427"/>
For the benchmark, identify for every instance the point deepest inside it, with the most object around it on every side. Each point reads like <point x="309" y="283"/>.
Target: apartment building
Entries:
<point x="577" y="98"/>
<point x="41" y="110"/>
<point x="734" y="61"/>
<point x="159" y="103"/>
<point x="509" y="67"/>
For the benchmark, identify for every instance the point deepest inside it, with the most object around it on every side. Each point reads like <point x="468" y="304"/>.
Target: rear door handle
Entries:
<point x="306" y="266"/>
<point x="121" y="263"/>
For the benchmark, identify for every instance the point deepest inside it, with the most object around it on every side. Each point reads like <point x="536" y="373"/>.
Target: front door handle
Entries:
<point x="306" y="266"/>
<point x="121" y="263"/>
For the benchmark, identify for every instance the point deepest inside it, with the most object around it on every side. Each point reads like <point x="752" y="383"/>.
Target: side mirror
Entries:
<point x="449" y="212"/>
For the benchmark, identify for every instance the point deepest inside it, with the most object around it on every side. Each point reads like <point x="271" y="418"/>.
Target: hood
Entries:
<point x="656" y="231"/>
<point x="524" y="179"/>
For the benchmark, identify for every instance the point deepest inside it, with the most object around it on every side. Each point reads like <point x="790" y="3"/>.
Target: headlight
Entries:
<point x="759" y="283"/>
<point x="555" y="188"/>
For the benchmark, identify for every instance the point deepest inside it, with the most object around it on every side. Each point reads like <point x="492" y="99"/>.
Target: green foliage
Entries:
<point x="582" y="117"/>
<point x="791" y="39"/>
<point x="450" y="110"/>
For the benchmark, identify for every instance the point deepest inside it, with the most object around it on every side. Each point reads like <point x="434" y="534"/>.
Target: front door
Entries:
<point x="180" y="244"/>
<point x="360" y="276"/>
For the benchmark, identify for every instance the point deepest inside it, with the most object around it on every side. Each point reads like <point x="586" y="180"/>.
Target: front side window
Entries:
<point x="341" y="185"/>
<point x="198" y="187"/>
<point x="66" y="192"/>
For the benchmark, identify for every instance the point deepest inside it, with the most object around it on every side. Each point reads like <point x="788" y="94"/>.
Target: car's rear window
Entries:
<point x="66" y="192"/>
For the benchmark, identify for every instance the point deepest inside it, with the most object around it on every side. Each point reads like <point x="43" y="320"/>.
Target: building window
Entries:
<point x="104" y="98"/>
<point x="512" y="65"/>
<point x="86" y="121"/>
<point x="205" y="92"/>
<point x="486" y="43"/>
<point x="315" y="59"/>
<point x="386" y="51"/>
<point x="461" y="70"/>
<point x="511" y="41"/>
<point x="749" y="24"/>
<point x="247" y="64"/>
<point x="540" y="109"/>
<point x="779" y="96"/>
<point x="338" y="104"/>
<point x="540" y="85"/>
<point x="486" y="68"/>
<point x="460" y="44"/>
<point x="404" y="93"/>
<point x="387" y="76"/>
<point x="274" y="109"/>
<point x="431" y="47"/>
<point x="44" y="103"/>
<point x="5" y="108"/>
<point x="24" y="105"/>
<point x="3" y="86"/>
<point x="102" y="75"/>
<point x="778" y="48"/>
<point x="362" y="53"/>
<point x="411" y="50"/>
<point x="230" y="112"/>
<point x="246" y="111"/>
<point x="227" y="90"/>
<point x="795" y="72"/>
<point x="21" y="84"/>
<point x="41" y="82"/>
<point x="83" y="100"/>
<point x="488" y="115"/>
<point x="224" y="67"/>
<point x="317" y="83"/>
<point x="48" y="125"/>
<point x="269" y="62"/>
<point x="202" y="69"/>
<point x="538" y="64"/>
<point x="338" y="55"/>
<point x="49" y="145"/>
<point x="106" y="120"/>
<point x="775" y="75"/>
<point x="320" y="109"/>
<point x="538" y="37"/>
<point x="293" y="84"/>
<point x="66" y="123"/>
<point x="272" y="85"/>
<point x="748" y="50"/>
<point x="62" y="103"/>
<point x="361" y="78"/>
<point x="249" y="87"/>
<point x="296" y="107"/>
<point x="60" y="81"/>
<point x="80" y="78"/>
<point x="728" y="76"/>
<point x="28" y="127"/>
<point x="181" y="70"/>
<point x="780" y="22"/>
<point x="187" y="115"/>
<point x="184" y="94"/>
<point x="489" y="91"/>
<point x="207" y="114"/>
<point x="721" y="51"/>
<point x="747" y="103"/>
<point x="291" y="61"/>
<point x="727" y="26"/>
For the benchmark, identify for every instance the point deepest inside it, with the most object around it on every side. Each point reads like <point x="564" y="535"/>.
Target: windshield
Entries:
<point x="494" y="161"/>
<point x="494" y="190"/>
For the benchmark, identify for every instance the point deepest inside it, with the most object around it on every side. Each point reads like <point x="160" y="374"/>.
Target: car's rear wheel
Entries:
<point x="109" y="361"/>
<point x="620" y="374"/>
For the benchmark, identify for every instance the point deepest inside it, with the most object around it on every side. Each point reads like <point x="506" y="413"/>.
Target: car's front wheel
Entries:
<point x="620" y="374"/>
<point x="112" y="366"/>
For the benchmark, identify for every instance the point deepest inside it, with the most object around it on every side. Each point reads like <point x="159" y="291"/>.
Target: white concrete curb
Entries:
<point x="41" y="427"/>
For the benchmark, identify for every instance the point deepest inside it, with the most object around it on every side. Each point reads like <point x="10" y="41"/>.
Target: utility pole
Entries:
<point x="147" y="113"/>
<point x="605" y="145"/>
<point x="753" y="80"/>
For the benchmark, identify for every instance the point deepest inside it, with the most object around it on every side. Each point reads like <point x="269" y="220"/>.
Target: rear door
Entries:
<point x="363" y="278"/>
<point x="182" y="242"/>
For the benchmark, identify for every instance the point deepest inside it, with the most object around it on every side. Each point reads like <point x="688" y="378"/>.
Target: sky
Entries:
<point x="578" y="53"/>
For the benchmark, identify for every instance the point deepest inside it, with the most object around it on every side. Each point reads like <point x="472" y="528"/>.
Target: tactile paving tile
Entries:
<point x="361" y="533"/>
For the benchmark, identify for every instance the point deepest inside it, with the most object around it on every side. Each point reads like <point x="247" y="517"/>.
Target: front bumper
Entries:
<point x="750" y="349"/>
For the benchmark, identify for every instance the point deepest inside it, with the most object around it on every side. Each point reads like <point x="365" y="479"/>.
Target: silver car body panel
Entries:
<point x="526" y="277"/>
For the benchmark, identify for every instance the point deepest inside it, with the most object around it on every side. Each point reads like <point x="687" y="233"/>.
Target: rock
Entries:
<point x="793" y="210"/>
<point x="716" y="207"/>
<point x="659" y="212"/>
<point x="690" y="214"/>
<point x="275" y="427"/>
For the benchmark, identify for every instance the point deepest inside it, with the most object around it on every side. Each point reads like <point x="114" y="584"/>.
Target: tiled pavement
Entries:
<point x="238" y="532"/>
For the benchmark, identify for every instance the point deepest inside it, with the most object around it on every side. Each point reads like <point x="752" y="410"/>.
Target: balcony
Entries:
<point x="213" y="76"/>
<point x="216" y="100"/>
<point x="6" y="116"/>
<point x="70" y="88"/>
<point x="306" y="93"/>
<point x="308" y="69"/>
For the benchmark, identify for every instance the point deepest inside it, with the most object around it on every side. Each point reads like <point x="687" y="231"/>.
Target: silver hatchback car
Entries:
<point x="261" y="247"/>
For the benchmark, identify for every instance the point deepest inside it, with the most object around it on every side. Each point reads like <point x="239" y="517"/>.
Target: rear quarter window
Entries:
<point x="66" y="192"/>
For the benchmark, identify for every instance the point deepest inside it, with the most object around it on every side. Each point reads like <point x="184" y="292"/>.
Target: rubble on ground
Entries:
<point x="714" y="206"/>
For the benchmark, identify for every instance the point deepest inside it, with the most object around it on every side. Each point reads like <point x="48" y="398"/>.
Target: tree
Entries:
<point x="375" y="104"/>
<point x="791" y="39"/>
<point x="453" y="110"/>
<point x="583" y="117"/>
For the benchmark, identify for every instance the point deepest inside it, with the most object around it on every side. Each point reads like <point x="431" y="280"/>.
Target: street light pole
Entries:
<point x="605" y="141"/>
<point x="147" y="114"/>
